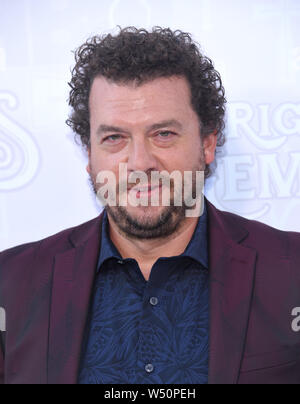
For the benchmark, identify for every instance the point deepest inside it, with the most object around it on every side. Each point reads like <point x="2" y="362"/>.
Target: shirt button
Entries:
<point x="154" y="301"/>
<point x="149" y="368"/>
<point x="120" y="262"/>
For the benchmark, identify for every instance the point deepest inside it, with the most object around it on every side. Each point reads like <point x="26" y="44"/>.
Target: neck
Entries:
<point x="147" y="252"/>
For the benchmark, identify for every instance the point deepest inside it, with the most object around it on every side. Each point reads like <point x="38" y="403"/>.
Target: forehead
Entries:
<point x="159" y="96"/>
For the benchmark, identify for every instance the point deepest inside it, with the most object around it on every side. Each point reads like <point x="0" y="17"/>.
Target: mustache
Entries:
<point x="129" y="185"/>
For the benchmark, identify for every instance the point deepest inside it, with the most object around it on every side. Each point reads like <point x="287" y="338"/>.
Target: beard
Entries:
<point x="149" y="225"/>
<point x="162" y="225"/>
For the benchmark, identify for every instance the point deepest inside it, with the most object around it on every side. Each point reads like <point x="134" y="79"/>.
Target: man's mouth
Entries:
<point x="145" y="190"/>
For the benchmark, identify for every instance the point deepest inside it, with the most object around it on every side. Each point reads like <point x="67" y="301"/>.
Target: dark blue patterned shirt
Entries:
<point x="143" y="332"/>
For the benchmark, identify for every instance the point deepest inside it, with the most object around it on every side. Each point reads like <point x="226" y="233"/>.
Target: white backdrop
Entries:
<point x="255" y="44"/>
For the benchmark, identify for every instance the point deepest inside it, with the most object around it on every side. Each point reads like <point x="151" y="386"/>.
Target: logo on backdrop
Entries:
<point x="258" y="164"/>
<point x="19" y="154"/>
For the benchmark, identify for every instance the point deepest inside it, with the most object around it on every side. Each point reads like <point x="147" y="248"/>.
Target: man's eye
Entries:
<point x="166" y="134"/>
<point x="112" y="138"/>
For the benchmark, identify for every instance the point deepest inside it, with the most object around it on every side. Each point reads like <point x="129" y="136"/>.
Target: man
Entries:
<point x="148" y="294"/>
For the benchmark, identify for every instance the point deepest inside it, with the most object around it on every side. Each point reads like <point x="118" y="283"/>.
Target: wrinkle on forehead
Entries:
<point x="131" y="104"/>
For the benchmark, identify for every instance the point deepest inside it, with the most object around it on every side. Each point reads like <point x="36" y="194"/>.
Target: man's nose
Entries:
<point x="141" y="157"/>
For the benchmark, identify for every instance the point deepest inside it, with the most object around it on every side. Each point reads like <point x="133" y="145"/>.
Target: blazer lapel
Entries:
<point x="74" y="273"/>
<point x="232" y="272"/>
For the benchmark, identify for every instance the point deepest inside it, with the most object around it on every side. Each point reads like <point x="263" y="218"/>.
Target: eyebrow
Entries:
<point x="109" y="129"/>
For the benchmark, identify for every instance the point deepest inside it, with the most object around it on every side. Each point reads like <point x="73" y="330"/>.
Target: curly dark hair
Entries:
<point x="140" y="56"/>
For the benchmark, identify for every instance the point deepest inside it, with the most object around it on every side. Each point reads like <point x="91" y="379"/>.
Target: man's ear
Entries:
<point x="88" y="167"/>
<point x="210" y="145"/>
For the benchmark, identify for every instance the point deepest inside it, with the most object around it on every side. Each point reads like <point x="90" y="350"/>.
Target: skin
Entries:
<point x="175" y="145"/>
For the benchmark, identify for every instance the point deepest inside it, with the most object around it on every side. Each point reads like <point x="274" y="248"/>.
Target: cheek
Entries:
<point x="99" y="162"/>
<point x="184" y="162"/>
<point x="190" y="156"/>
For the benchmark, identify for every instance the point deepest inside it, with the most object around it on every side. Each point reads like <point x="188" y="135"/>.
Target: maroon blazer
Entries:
<point x="45" y="289"/>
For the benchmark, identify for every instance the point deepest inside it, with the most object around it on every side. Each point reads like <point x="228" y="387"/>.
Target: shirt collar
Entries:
<point x="108" y="249"/>
<point x="197" y="248"/>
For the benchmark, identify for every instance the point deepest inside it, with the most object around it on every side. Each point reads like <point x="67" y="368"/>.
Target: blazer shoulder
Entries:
<point x="256" y="226"/>
<point x="260" y="226"/>
<point x="50" y="245"/>
<point x="261" y="235"/>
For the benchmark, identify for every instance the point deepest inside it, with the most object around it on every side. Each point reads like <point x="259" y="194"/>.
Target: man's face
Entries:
<point x="151" y="127"/>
